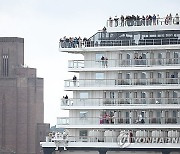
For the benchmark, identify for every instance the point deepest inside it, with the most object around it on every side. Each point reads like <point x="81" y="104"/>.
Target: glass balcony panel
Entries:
<point x="118" y="82"/>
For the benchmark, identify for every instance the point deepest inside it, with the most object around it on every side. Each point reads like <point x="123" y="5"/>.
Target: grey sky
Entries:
<point x="43" y="22"/>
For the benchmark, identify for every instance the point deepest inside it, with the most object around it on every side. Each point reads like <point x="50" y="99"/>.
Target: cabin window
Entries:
<point x="99" y="56"/>
<point x="99" y="75"/>
<point x="83" y="114"/>
<point x="83" y="94"/>
<point x="83" y="135"/>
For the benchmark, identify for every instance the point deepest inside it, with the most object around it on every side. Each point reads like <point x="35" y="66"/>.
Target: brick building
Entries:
<point x="21" y="101"/>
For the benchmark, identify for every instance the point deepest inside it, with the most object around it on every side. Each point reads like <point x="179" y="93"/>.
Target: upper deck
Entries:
<point x="130" y="32"/>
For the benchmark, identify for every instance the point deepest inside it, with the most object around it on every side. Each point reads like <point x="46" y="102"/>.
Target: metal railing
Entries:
<point x="115" y="121"/>
<point x="123" y="63"/>
<point x="100" y="43"/>
<point x="118" y="101"/>
<point x="118" y="82"/>
<point x="114" y="139"/>
<point x="142" y="22"/>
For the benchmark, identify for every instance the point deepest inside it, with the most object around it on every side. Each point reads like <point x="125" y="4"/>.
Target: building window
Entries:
<point x="127" y="95"/>
<point x="151" y="95"/>
<point x="143" y="75"/>
<point x="151" y="75"/>
<point x="83" y="114"/>
<point x="83" y="95"/>
<point x="127" y="75"/>
<point x="159" y="95"/>
<point x="135" y="94"/>
<point x="176" y="58"/>
<point x="99" y="56"/>
<point x="174" y="114"/>
<point x="99" y="75"/>
<point x="143" y="95"/>
<point x="112" y="95"/>
<point x="5" y="65"/>
<point x="83" y="135"/>
<point x="174" y="94"/>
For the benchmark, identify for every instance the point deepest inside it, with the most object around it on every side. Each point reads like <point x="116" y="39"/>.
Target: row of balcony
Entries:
<point x="142" y="21"/>
<point x="115" y="121"/>
<point x="117" y="101"/>
<point x="114" y="139"/>
<point x="122" y="63"/>
<point x="118" y="82"/>
<point x="126" y="42"/>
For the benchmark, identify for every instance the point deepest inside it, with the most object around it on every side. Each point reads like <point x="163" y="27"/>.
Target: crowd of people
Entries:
<point x="72" y="42"/>
<point x="113" y="118"/>
<point x="143" y="20"/>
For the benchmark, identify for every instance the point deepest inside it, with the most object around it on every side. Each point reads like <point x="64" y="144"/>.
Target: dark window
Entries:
<point x="5" y="65"/>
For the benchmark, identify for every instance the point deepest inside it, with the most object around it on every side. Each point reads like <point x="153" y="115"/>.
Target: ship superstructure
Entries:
<point x="126" y="96"/>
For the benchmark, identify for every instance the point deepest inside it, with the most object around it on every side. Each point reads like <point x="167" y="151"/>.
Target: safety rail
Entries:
<point x="118" y="101"/>
<point x="123" y="63"/>
<point x="126" y="22"/>
<point x="115" y="120"/>
<point x="148" y="139"/>
<point x="118" y="82"/>
<point x="100" y="43"/>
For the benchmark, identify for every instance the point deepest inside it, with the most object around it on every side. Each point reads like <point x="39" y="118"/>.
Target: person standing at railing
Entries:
<point x="106" y="62"/>
<point x="154" y="19"/>
<point x="76" y="42"/>
<point x="102" y="61"/>
<point x="115" y="117"/>
<point x="176" y="19"/>
<point x="122" y="20"/>
<point x="116" y="19"/>
<point x="157" y="19"/>
<point x="143" y="20"/>
<point x="167" y="20"/>
<point x="66" y="99"/>
<point x="110" y="22"/>
<point x="138" y="21"/>
<point x="140" y="60"/>
<point x="74" y="80"/>
<point x="147" y="20"/>
<point x="63" y="100"/>
<point x="172" y="78"/>
<point x="136" y="60"/>
<point x="104" y="29"/>
<point x="170" y="19"/>
<point x="80" y="42"/>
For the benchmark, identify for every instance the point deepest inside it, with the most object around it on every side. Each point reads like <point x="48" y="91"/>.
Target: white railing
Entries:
<point x="118" y="82"/>
<point x="142" y="22"/>
<point x="115" y="120"/>
<point x="122" y="63"/>
<point x="114" y="139"/>
<point x="118" y="101"/>
<point x="164" y="41"/>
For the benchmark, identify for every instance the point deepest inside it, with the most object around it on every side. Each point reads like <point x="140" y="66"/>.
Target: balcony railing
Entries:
<point x="118" y="101"/>
<point x="140" y="140"/>
<point x="115" y="121"/>
<point x="101" y="43"/>
<point x="122" y="63"/>
<point x="118" y="82"/>
<point x="142" y="22"/>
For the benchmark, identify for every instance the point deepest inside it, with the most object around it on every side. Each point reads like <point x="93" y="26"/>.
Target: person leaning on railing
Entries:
<point x="176" y="20"/>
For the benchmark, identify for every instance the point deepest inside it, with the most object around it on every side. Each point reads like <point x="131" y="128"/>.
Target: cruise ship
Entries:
<point x="126" y="90"/>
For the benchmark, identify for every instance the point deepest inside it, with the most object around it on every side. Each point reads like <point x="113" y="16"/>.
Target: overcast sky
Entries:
<point x="43" y="22"/>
